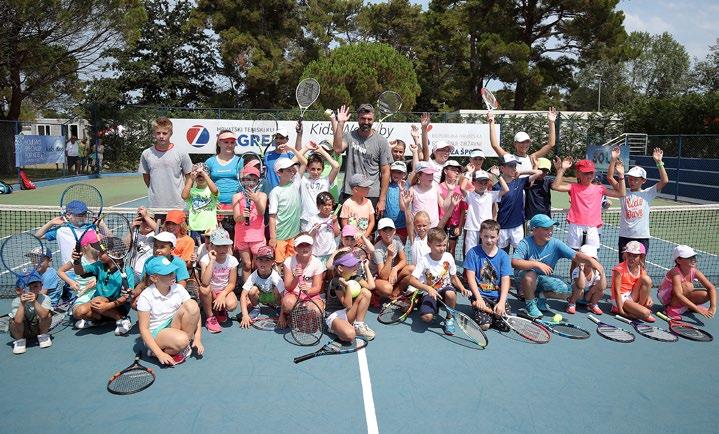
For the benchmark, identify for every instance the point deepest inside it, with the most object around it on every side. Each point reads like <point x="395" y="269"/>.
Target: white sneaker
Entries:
<point x="44" y="340"/>
<point x="363" y="329"/>
<point x="18" y="347"/>
<point x="84" y="324"/>
<point x="122" y="326"/>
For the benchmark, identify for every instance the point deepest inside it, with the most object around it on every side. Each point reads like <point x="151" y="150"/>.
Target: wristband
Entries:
<point x="620" y="178"/>
<point x="660" y="164"/>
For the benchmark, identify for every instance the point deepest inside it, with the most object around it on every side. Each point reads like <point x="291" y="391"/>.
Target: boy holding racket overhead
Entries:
<point x="522" y="143"/>
<point x="510" y="213"/>
<point x="76" y="215"/>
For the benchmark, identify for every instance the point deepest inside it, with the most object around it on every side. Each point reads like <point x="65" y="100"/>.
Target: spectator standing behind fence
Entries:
<point x="164" y="168"/>
<point x="83" y="150"/>
<point x="368" y="154"/>
<point x="72" y="152"/>
<point x="98" y="154"/>
<point x="223" y="168"/>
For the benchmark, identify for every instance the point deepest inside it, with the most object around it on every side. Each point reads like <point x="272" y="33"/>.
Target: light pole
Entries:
<point x="599" y="92"/>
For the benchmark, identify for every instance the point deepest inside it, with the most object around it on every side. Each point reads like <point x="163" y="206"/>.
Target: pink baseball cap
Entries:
<point x="349" y="231"/>
<point x="90" y="237"/>
<point x="585" y="166"/>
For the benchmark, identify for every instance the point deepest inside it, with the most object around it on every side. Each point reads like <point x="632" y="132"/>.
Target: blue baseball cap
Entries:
<point x="76" y="207"/>
<point x="26" y="280"/>
<point x="541" y="221"/>
<point x="159" y="265"/>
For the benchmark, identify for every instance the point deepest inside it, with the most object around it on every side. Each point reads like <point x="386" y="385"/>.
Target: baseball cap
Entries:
<point x="635" y="248"/>
<point x="508" y="159"/>
<point x="481" y="174"/>
<point x="265" y="252"/>
<point x="682" y="251"/>
<point x="89" y="237"/>
<point x="441" y="145"/>
<point x="589" y="250"/>
<point x="544" y="163"/>
<point x="360" y="180"/>
<point x="76" y="207"/>
<point x="165" y="237"/>
<point x="541" y="221"/>
<point x="159" y="265"/>
<point x="385" y="222"/>
<point x="304" y="239"/>
<point x="349" y="231"/>
<point x="584" y="166"/>
<point x="477" y="153"/>
<point x="175" y="216"/>
<point x="227" y="135"/>
<point x="37" y="252"/>
<point x="251" y="170"/>
<point x="399" y="166"/>
<point x="452" y="163"/>
<point x="220" y="237"/>
<point x="637" y="172"/>
<point x="347" y="260"/>
<point x="521" y="137"/>
<point x="32" y="277"/>
<point x="284" y="163"/>
<point x="425" y="167"/>
<point x="281" y="131"/>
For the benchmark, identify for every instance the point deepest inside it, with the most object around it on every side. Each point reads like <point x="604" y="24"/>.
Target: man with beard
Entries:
<point x="368" y="153"/>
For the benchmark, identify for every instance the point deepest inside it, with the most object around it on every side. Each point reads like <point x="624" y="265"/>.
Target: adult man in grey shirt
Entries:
<point x="164" y="168"/>
<point x="368" y="153"/>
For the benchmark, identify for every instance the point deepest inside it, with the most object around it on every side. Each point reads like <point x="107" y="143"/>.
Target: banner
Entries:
<point x="32" y="150"/>
<point x="199" y="136"/>
<point x="602" y="155"/>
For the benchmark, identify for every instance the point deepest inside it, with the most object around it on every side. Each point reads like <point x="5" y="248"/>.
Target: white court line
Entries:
<point x="369" y="412"/>
<point x="126" y="202"/>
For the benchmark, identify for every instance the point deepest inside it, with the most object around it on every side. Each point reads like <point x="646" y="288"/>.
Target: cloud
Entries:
<point x="651" y="24"/>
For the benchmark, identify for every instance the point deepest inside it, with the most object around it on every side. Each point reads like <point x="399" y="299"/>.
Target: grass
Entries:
<point x="115" y="190"/>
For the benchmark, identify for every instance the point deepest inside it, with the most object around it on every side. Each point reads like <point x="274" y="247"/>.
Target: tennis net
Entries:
<point x="696" y="226"/>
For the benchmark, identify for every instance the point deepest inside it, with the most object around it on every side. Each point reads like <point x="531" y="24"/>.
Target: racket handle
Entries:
<point x="662" y="316"/>
<point x="621" y="318"/>
<point x="301" y="359"/>
<point x="593" y="318"/>
<point x="247" y="207"/>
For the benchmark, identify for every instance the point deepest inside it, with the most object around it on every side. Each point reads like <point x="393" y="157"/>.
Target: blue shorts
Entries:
<point x="548" y="283"/>
<point x="161" y="327"/>
<point x="429" y="304"/>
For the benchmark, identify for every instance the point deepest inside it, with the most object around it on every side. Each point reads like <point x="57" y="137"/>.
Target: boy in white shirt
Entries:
<point x="481" y="205"/>
<point x="265" y="285"/>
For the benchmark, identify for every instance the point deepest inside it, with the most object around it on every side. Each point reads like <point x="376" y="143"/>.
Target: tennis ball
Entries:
<point x="328" y="113"/>
<point x="557" y="317"/>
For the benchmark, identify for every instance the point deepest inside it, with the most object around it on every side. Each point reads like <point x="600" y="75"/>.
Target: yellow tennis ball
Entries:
<point x="328" y="113"/>
<point x="557" y="317"/>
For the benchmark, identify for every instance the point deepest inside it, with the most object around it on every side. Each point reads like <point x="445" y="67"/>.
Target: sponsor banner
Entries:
<point x="199" y="136"/>
<point x="32" y="150"/>
<point x="602" y="155"/>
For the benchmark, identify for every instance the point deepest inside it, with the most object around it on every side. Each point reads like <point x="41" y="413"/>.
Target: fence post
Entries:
<point x="679" y="164"/>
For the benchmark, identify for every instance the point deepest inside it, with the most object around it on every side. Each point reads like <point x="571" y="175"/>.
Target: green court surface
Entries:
<point x="116" y="190"/>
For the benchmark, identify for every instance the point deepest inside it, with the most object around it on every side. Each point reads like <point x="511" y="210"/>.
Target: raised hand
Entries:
<point x="552" y="114"/>
<point x="298" y="127"/>
<point x="658" y="154"/>
<point x="470" y="169"/>
<point x="490" y="117"/>
<point x="343" y="114"/>
<point x="567" y="162"/>
<point x="494" y="170"/>
<point x="414" y="132"/>
<point x="425" y="120"/>
<point x="312" y="145"/>
<point x="619" y="168"/>
<point x="616" y="153"/>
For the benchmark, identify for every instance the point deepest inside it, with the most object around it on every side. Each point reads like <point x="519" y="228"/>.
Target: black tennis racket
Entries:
<point x="467" y="325"/>
<point x="306" y="319"/>
<point x="560" y="328"/>
<point x="117" y="242"/>
<point x="247" y="183"/>
<point x="360" y="253"/>
<point x="133" y="379"/>
<point x="335" y="347"/>
<point x="306" y="93"/>
<point x="91" y="198"/>
<point x="611" y="332"/>
<point x="398" y="309"/>
<point x="265" y="318"/>
<point x="528" y="330"/>
<point x="686" y="331"/>
<point x="649" y="331"/>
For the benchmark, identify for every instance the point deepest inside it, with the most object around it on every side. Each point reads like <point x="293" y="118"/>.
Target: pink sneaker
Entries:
<point x="180" y="357"/>
<point x="595" y="309"/>
<point x="571" y="309"/>
<point x="212" y="325"/>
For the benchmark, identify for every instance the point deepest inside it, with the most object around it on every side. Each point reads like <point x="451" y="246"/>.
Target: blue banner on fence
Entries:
<point x="31" y="150"/>
<point x="602" y="155"/>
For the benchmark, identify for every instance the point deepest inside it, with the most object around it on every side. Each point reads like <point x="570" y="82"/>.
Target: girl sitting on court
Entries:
<point x="631" y="285"/>
<point x="265" y="285"/>
<point x="184" y="244"/>
<point x="249" y="237"/>
<point x="677" y="292"/>
<point x="302" y="272"/>
<point x="169" y="320"/>
<point x="588" y="284"/>
<point x="349" y="295"/>
<point x="218" y="280"/>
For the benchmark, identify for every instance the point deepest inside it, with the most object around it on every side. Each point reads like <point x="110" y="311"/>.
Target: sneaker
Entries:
<point x="220" y="315"/>
<point x="615" y="310"/>
<point x="122" y="326"/>
<point x="255" y="312"/>
<point x="212" y="325"/>
<point x="363" y="329"/>
<point x="571" y="308"/>
<point x="18" y="347"/>
<point x="44" y="340"/>
<point x="449" y="327"/>
<point x="542" y="303"/>
<point x="532" y="309"/>
<point x="84" y="324"/>
<point x="595" y="309"/>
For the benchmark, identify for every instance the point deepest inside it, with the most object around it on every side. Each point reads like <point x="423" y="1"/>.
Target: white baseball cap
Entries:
<point x="509" y="159"/>
<point x="682" y="251"/>
<point x="385" y="222"/>
<point x="637" y="172"/>
<point x="452" y="163"/>
<point x="165" y="237"/>
<point x="284" y="163"/>
<point x="521" y="137"/>
<point x="304" y="239"/>
<point x="399" y="166"/>
<point x="425" y="167"/>
<point x="477" y="153"/>
<point x="589" y="250"/>
<point x="282" y="132"/>
<point x="481" y="174"/>
<point x="441" y="145"/>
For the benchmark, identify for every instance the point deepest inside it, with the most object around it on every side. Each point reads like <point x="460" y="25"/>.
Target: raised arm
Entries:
<point x="621" y="188"/>
<point x="551" y="141"/>
<point x="298" y="140"/>
<point x="561" y="166"/>
<point x="343" y="115"/>
<point x="331" y="161"/>
<point x="425" y="121"/>
<point x="493" y="139"/>
<point x="663" y="177"/>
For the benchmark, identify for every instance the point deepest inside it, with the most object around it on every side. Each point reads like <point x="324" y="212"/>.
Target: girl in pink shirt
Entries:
<point x="425" y="193"/>
<point x="677" y="292"/>
<point x="449" y="184"/>
<point x="249" y="237"/>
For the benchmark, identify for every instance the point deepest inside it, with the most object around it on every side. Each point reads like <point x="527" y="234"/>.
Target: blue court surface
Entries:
<point x="409" y="379"/>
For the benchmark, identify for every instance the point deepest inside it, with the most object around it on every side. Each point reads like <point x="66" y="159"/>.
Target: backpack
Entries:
<point x="25" y="183"/>
<point x="5" y="188"/>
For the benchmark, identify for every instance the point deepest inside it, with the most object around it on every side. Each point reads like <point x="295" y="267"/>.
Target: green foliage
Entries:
<point x="358" y="73"/>
<point x="687" y="114"/>
<point x="707" y="71"/>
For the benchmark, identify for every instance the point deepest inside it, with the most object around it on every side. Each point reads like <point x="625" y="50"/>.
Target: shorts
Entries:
<point x="71" y="161"/>
<point x="154" y="332"/>
<point x="624" y="296"/>
<point x="548" y="283"/>
<point x="284" y="249"/>
<point x="623" y="242"/>
<point x="341" y="314"/>
<point x="578" y="235"/>
<point x="471" y="239"/>
<point x="429" y="304"/>
<point x="510" y="236"/>
<point x="268" y="298"/>
<point x="484" y="318"/>
<point x="252" y="246"/>
<point x="449" y="229"/>
<point x="85" y="298"/>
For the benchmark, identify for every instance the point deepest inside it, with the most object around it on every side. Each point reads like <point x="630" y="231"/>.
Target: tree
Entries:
<point x="358" y="73"/>
<point x="658" y="65"/>
<point x="46" y="44"/>
<point x="331" y="22"/>
<point x="706" y="72"/>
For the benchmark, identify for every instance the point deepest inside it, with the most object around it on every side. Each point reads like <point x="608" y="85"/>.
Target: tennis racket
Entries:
<point x="133" y="379"/>
<point x="247" y="183"/>
<point x="306" y="94"/>
<point x="467" y="325"/>
<point x="686" y="331"/>
<point x="561" y="328"/>
<point x="389" y="102"/>
<point x="265" y="318"/>
<point x="88" y="195"/>
<point x="489" y="100"/>
<point x="22" y="253"/>
<point x="117" y="242"/>
<point x="649" y="331"/>
<point x="264" y="126"/>
<point x="527" y="329"/>
<point x="306" y="320"/>
<point x="335" y="347"/>
<point x="398" y="309"/>
<point x="360" y="253"/>
<point x="611" y="332"/>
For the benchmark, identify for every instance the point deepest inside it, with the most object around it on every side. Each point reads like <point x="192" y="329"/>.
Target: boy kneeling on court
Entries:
<point x="30" y="314"/>
<point x="169" y="319"/>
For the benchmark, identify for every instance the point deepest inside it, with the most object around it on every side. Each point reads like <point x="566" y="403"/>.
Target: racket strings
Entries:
<point x="131" y="381"/>
<point x="393" y="311"/>
<point x="528" y="329"/>
<point x="690" y="332"/>
<point x="306" y="324"/>
<point x="570" y="331"/>
<point x="389" y="102"/>
<point x="615" y="334"/>
<point x="21" y="253"/>
<point x="307" y="92"/>
<point x="655" y="333"/>
<point x="84" y="193"/>
<point x="472" y="329"/>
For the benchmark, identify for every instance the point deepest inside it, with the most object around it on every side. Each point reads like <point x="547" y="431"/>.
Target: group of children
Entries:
<point x="308" y="247"/>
